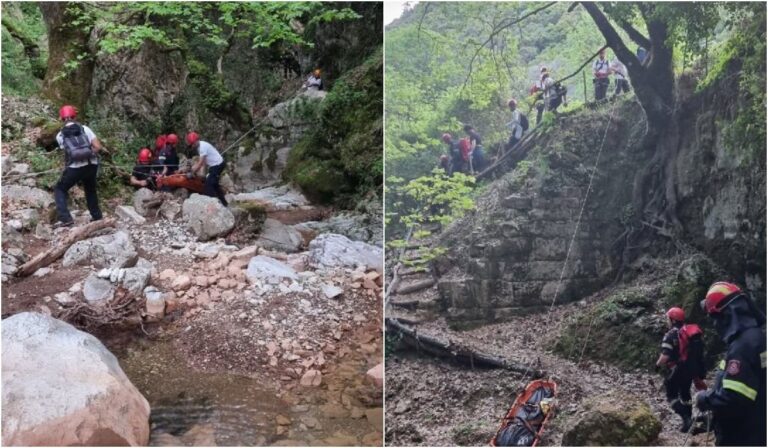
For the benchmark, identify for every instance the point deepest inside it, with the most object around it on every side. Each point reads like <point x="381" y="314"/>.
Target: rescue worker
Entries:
<point x="476" y="147"/>
<point x="159" y="145"/>
<point x="737" y="398"/>
<point x="315" y="81"/>
<point x="538" y="90"/>
<point x="143" y="174"/>
<point x="678" y="383"/>
<point x="620" y="75"/>
<point x="457" y="160"/>
<point x="554" y="94"/>
<point x="516" y="125"/>
<point x="601" y="70"/>
<point x="81" y="148"/>
<point x="210" y="157"/>
<point x="168" y="157"/>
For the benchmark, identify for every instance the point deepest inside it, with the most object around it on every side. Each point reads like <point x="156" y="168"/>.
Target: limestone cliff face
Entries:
<point x="509" y="256"/>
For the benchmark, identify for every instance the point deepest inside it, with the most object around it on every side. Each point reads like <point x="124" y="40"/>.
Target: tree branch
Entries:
<point x="501" y="27"/>
<point x="635" y="35"/>
<point x="591" y="58"/>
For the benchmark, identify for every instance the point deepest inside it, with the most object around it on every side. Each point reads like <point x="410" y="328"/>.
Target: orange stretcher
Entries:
<point x="525" y="422"/>
<point x="195" y="185"/>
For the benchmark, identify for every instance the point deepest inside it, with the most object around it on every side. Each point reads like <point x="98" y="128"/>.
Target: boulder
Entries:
<point x="278" y="198"/>
<point x="62" y="387"/>
<point x="155" y="303"/>
<point x="97" y="290"/>
<point x="129" y="214"/>
<point x="331" y="291"/>
<point x="277" y="236"/>
<point x="355" y="226"/>
<point x="136" y="279"/>
<point x="262" y="268"/>
<point x="20" y="168"/>
<point x="289" y="113"/>
<point x="34" y="197"/>
<point x="207" y="217"/>
<point x="27" y="217"/>
<point x="9" y="264"/>
<point x="614" y="421"/>
<point x="11" y="235"/>
<point x="312" y="378"/>
<point x="113" y="251"/>
<point x="332" y="250"/>
<point x="170" y="209"/>
<point x="138" y="200"/>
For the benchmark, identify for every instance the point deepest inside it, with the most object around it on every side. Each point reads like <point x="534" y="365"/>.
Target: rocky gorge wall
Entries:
<point x="507" y="257"/>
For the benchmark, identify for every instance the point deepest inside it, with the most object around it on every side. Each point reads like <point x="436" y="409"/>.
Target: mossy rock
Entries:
<point x="48" y="130"/>
<point x="621" y="420"/>
<point x="625" y="329"/>
<point x="250" y="216"/>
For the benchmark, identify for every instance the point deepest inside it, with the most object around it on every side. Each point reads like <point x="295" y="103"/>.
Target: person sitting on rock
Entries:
<point x="314" y="81"/>
<point x="210" y="157"/>
<point x="168" y="157"/>
<point x="143" y="174"/>
<point x="81" y="148"/>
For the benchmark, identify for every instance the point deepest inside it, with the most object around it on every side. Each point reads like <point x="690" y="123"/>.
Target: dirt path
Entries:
<point x="433" y="402"/>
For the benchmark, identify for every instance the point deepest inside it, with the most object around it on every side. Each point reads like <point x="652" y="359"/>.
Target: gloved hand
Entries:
<point x="699" y="384"/>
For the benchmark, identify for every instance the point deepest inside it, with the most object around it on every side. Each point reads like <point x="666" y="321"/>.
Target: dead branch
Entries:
<point x="54" y="253"/>
<point x="461" y="354"/>
<point x="414" y="287"/>
<point x="122" y="309"/>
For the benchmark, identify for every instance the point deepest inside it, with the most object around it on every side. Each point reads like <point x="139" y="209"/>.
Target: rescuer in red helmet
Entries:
<point x="682" y="351"/>
<point x="81" y="148"/>
<point x="144" y="171"/>
<point x="737" y="398"/>
<point x="210" y="157"/>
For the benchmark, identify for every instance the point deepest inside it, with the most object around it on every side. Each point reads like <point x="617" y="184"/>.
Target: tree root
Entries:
<point x="122" y="310"/>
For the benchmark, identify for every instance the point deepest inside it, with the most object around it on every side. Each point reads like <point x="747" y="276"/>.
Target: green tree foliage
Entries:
<point x="24" y="52"/>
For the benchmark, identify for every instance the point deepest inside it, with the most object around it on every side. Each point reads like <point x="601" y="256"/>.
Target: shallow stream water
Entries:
<point x="192" y="408"/>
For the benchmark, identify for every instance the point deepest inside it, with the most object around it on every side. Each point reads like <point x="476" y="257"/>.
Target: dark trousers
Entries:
<point x="71" y="176"/>
<point x="678" y="389"/>
<point x="512" y="141"/>
<point x="212" y="186"/>
<point x="539" y="111"/>
<point x="601" y="88"/>
<point x="621" y="85"/>
<point x="554" y="103"/>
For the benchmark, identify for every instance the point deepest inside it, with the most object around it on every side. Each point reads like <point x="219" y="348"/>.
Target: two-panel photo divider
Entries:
<point x="417" y="223"/>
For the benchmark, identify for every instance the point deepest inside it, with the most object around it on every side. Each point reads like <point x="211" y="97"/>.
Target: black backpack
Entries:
<point x="523" y="121"/>
<point x="77" y="148"/>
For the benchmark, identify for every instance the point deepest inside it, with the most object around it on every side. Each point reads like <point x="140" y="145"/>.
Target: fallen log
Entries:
<point x="460" y="354"/>
<point x="417" y="286"/>
<point x="76" y="234"/>
<point x="153" y="202"/>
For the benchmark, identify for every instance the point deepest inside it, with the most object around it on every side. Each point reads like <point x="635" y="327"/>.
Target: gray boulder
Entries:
<point x="34" y="197"/>
<point x="97" y="290"/>
<point x="269" y="270"/>
<point x="138" y="200"/>
<point x="62" y="387"/>
<point x="109" y="251"/>
<point x="279" y="198"/>
<point x="207" y="217"/>
<point x="129" y="214"/>
<point x="277" y="236"/>
<point x="27" y="217"/>
<point x="290" y="113"/>
<point x="331" y="250"/>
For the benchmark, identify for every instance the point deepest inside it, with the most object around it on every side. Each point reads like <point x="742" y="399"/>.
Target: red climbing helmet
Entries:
<point x="67" y="112"/>
<point x="512" y="102"/>
<point x="447" y="138"/>
<point x="160" y="142"/>
<point x="192" y="138"/>
<point x="676" y="314"/>
<point x="145" y="155"/>
<point x="171" y="139"/>
<point x="718" y="297"/>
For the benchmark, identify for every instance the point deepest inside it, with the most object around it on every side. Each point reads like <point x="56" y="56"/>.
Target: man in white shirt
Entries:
<point x="515" y="125"/>
<point x="601" y="68"/>
<point x="81" y="148"/>
<point x="315" y="81"/>
<point x="210" y="157"/>
<point x="620" y="74"/>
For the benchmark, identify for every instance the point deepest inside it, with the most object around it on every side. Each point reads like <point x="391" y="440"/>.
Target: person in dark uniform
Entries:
<point x="457" y="160"/>
<point x="143" y="173"/>
<point x="737" y="398"/>
<point x="678" y="383"/>
<point x="476" y="146"/>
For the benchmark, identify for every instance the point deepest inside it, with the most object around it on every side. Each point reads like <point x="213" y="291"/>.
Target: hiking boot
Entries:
<point x="60" y="224"/>
<point x="687" y="422"/>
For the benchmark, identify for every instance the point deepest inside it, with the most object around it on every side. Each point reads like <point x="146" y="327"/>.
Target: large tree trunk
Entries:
<point x="65" y="43"/>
